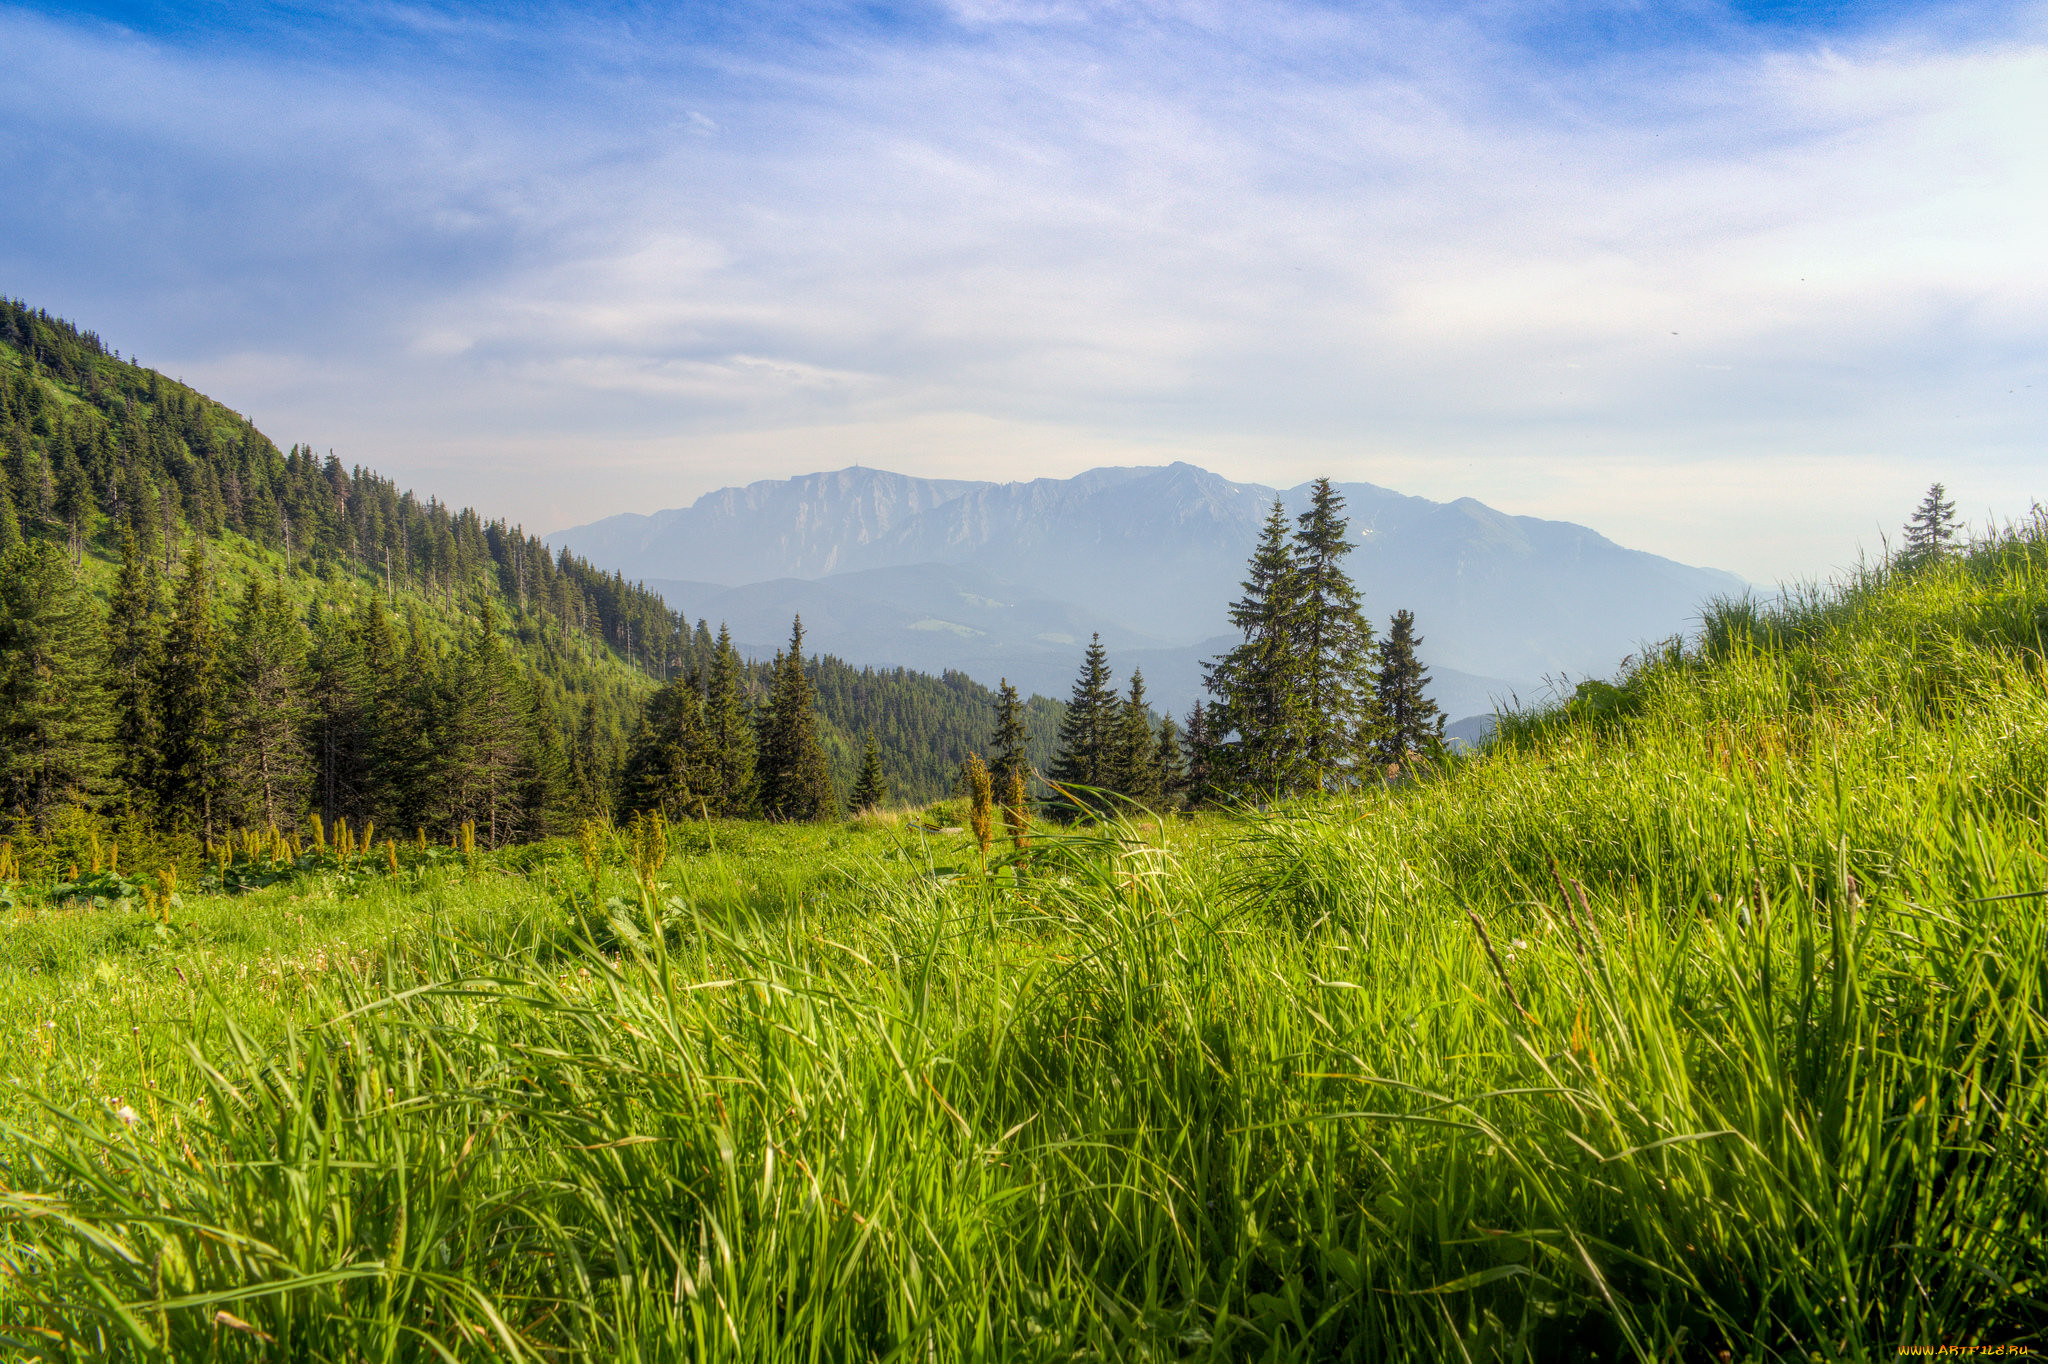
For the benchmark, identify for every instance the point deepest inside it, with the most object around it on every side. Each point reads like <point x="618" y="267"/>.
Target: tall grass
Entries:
<point x="1707" y="1019"/>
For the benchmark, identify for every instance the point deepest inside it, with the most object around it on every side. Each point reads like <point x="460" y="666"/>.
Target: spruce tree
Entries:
<point x="548" y="799"/>
<point x="591" y="764"/>
<point x="1259" y="719"/>
<point x="264" y="764"/>
<point x="729" y="730"/>
<point x="666" y="766"/>
<point x="1198" y="788"/>
<point x="1333" y="646"/>
<point x="1409" y="722"/>
<point x="487" y="736"/>
<point x="340" y="729"/>
<point x="795" y="782"/>
<point x="1012" y="738"/>
<point x="135" y="630"/>
<point x="1170" y="763"/>
<point x="189" y="701"/>
<point x="55" y="721"/>
<point x="1087" y="730"/>
<point x="1931" y="530"/>
<point x="1133" y="763"/>
<point x="871" y="788"/>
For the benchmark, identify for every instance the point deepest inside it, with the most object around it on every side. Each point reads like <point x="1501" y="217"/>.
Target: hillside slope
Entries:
<point x="94" y="449"/>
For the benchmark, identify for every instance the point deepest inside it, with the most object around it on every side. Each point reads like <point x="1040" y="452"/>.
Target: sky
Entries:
<point x="1732" y="282"/>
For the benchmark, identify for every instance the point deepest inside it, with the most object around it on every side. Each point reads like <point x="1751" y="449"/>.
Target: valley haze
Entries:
<point x="1010" y="579"/>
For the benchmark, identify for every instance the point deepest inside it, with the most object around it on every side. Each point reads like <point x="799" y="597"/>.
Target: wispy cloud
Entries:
<point x="1730" y="289"/>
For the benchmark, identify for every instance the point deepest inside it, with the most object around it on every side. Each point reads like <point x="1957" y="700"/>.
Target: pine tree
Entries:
<point x="794" y="780"/>
<point x="1258" y="721"/>
<point x="55" y="723"/>
<point x="1012" y="738"/>
<point x="134" y="654"/>
<point x="264" y="763"/>
<point x="1087" y="730"/>
<point x="341" y="734"/>
<point x="1931" y="530"/>
<point x="1169" y="762"/>
<point x="487" y="742"/>
<point x="871" y="788"/>
<point x="665" y="763"/>
<point x="548" y="799"/>
<point x="729" y="782"/>
<point x="189" y="698"/>
<point x="591" y="764"/>
<point x="1409" y="722"/>
<point x="1199" y="789"/>
<point x="1333" y="646"/>
<point x="1133" y="761"/>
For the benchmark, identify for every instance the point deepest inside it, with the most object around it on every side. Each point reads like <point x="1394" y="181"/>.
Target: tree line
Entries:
<point x="1309" y="700"/>
<point x="199" y="633"/>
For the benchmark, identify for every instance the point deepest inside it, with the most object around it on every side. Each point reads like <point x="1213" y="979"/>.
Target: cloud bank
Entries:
<point x="1732" y="287"/>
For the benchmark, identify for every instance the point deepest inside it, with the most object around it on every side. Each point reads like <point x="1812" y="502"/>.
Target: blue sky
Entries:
<point x="1728" y="282"/>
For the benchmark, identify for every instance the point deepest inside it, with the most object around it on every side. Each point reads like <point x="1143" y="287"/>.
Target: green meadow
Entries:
<point x="1700" y="1017"/>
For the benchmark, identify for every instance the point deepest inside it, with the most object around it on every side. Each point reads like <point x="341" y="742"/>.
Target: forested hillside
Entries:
<point x="203" y="631"/>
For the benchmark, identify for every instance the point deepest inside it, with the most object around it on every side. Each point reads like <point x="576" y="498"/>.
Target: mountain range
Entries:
<point x="1010" y="579"/>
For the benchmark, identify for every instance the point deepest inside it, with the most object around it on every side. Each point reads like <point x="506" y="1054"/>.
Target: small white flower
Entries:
<point x="127" y="1115"/>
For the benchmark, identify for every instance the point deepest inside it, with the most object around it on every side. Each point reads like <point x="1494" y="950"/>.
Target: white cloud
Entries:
<point x="1737" y="305"/>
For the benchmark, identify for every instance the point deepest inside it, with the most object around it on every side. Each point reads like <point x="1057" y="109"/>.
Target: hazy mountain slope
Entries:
<point x="784" y="528"/>
<point x="1152" y="556"/>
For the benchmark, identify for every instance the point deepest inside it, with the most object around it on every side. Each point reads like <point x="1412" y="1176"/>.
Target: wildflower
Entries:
<point x="127" y="1115"/>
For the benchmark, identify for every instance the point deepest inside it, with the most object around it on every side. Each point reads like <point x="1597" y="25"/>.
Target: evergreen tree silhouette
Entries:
<point x="135" y="630"/>
<point x="1931" y="530"/>
<point x="189" y="701"/>
<point x="1012" y="740"/>
<point x="264" y="767"/>
<point x="1259" y="719"/>
<point x="1133" y="764"/>
<point x="55" y="722"/>
<point x="1409" y="722"/>
<point x="1087" y="730"/>
<point x="794" y="780"/>
<point x="1333" y="645"/>
<point x="871" y="788"/>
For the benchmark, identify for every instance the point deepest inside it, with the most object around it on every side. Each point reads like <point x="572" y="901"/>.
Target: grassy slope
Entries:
<point x="1753" y="1063"/>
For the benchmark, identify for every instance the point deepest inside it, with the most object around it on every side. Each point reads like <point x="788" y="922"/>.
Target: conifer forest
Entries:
<point x="416" y="945"/>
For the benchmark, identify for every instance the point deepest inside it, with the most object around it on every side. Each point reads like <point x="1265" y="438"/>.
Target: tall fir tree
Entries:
<point x="1931" y="530"/>
<point x="1088" y="729"/>
<point x="871" y="788"/>
<point x="1198" y="786"/>
<point x="487" y="743"/>
<point x="135" y="633"/>
<point x="264" y="767"/>
<point x="55" y="721"/>
<point x="592" y="763"/>
<point x="1171" y="764"/>
<point x="189" y="702"/>
<point x="1409" y="722"/>
<point x="795" y="782"/>
<point x="340" y="729"/>
<point x="1133" y="761"/>
<point x="1259" y="719"/>
<point x="729" y="730"/>
<point x="666" y="766"/>
<point x="1012" y="741"/>
<point x="1333" y="646"/>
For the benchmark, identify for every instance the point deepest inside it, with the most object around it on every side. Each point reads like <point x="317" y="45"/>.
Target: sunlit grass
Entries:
<point x="1706" y="1015"/>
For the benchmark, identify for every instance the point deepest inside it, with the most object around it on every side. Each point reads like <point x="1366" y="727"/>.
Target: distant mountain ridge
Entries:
<point x="991" y="577"/>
